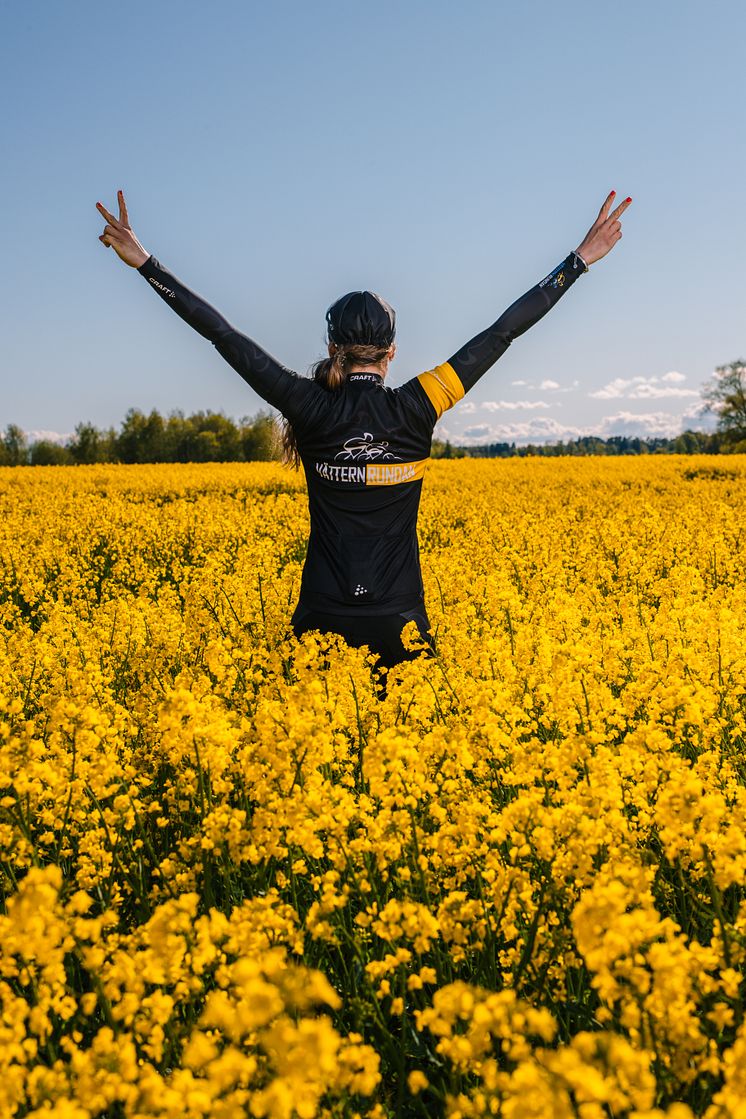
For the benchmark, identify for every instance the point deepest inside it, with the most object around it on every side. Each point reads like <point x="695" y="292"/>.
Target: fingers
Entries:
<point x="109" y="217"/>
<point x="605" y="208"/>
<point x="123" y="215"/>
<point x="111" y="237"/>
<point x="113" y="229"/>
<point x="620" y="209"/>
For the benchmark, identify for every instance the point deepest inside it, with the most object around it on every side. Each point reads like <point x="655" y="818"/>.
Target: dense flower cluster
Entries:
<point x="240" y="880"/>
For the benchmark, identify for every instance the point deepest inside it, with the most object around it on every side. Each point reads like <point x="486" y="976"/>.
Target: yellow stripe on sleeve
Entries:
<point x="443" y="387"/>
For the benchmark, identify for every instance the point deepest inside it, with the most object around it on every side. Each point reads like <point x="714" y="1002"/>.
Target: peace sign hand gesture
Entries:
<point x="118" y="235"/>
<point x="604" y="233"/>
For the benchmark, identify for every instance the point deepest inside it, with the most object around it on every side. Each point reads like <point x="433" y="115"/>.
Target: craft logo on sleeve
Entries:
<point x="162" y="287"/>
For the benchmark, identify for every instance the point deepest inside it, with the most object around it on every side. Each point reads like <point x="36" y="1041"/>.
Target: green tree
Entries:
<point x="15" y="446"/>
<point x="205" y="447"/>
<point x="688" y="443"/>
<point x="260" y="438"/>
<point x="141" y="438"/>
<point x="88" y="444"/>
<point x="226" y="438"/>
<point x="176" y="437"/>
<point x="439" y="449"/>
<point x="725" y="397"/>
<point x="46" y="453"/>
<point x="203" y="437"/>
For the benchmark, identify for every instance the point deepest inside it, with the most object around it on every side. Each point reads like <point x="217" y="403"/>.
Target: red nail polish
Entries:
<point x="613" y="192"/>
<point x="627" y="199"/>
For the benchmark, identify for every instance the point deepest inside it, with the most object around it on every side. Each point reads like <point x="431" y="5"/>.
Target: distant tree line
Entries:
<point x="213" y="437"/>
<point x="688" y="443"/>
<point x="201" y="437"/>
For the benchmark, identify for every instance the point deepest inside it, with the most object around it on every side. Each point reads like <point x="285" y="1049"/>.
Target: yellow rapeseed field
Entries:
<point x="238" y="882"/>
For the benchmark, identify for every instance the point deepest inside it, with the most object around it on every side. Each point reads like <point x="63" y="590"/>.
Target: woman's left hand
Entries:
<point x="118" y="235"/>
<point x="604" y="233"/>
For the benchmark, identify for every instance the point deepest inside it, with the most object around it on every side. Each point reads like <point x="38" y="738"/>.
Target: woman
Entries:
<point x="364" y="446"/>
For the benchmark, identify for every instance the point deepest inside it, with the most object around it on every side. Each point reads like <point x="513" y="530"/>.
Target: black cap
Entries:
<point x="361" y="317"/>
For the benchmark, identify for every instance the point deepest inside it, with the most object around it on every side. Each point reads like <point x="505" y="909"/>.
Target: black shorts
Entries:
<point x="381" y="633"/>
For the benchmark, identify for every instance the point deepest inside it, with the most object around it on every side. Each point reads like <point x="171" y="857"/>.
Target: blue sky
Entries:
<point x="447" y="156"/>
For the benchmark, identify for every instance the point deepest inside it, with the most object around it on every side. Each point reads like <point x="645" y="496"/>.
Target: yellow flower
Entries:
<point x="416" y="1081"/>
<point x="221" y="845"/>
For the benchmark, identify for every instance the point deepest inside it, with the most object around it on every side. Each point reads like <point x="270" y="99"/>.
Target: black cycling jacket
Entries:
<point x="364" y="447"/>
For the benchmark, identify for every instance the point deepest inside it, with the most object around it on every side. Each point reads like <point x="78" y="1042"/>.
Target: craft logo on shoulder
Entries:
<point x="162" y="287"/>
<point x="363" y="448"/>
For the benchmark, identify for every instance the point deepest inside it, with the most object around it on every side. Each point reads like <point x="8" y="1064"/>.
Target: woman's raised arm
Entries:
<point x="292" y="395"/>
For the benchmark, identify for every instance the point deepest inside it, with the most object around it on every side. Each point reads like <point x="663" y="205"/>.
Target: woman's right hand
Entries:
<point x="118" y="235"/>
<point x="604" y="233"/>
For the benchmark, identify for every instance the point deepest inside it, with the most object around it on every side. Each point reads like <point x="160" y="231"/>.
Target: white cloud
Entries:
<point x="654" y="424"/>
<point x="686" y="413"/>
<point x="547" y="429"/>
<point x="649" y="392"/>
<point x="548" y="385"/>
<point x="705" y="420"/>
<point x="643" y="388"/>
<point x="51" y="436"/>
<point x="640" y="423"/>
<point x="540" y="429"/>
<point x="512" y="405"/>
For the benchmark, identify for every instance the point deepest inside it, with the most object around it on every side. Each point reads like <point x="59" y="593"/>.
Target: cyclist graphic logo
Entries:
<point x="363" y="448"/>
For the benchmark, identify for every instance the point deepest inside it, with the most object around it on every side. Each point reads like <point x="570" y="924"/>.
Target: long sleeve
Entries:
<point x="292" y="395"/>
<point x="445" y="385"/>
